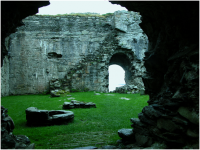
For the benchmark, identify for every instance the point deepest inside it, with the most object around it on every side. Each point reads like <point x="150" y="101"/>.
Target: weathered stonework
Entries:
<point x="172" y="74"/>
<point x="5" y="77"/>
<point x="5" y="72"/>
<point x="76" y="49"/>
<point x="172" y="65"/>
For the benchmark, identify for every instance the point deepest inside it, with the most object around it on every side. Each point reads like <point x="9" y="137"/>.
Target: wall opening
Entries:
<point x="123" y="61"/>
<point x="116" y="77"/>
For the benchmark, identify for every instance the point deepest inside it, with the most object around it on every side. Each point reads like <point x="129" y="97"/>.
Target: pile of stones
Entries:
<point x="35" y="116"/>
<point x="128" y="89"/>
<point x="78" y="104"/>
<point x="156" y="122"/>
<point x="8" y="140"/>
<point x="56" y="88"/>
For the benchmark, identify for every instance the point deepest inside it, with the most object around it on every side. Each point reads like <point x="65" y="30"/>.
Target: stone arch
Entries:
<point x="124" y="61"/>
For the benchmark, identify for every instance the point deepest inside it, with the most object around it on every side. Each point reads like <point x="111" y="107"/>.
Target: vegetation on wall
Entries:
<point x="78" y="15"/>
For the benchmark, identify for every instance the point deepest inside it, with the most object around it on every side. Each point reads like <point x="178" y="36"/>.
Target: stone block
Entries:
<point x="141" y="140"/>
<point x="167" y="125"/>
<point x="76" y="105"/>
<point x="68" y="105"/>
<point x="143" y="118"/>
<point x="190" y="115"/>
<point x="126" y="134"/>
<point x="82" y="105"/>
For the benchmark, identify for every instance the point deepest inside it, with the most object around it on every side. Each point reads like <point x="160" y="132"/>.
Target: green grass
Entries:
<point x="91" y="126"/>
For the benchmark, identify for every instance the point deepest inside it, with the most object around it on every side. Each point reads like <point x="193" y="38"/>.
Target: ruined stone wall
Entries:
<point x="5" y="73"/>
<point x="76" y="49"/>
<point x="5" y="77"/>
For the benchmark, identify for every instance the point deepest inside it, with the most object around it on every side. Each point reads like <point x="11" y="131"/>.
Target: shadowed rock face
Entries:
<point x="171" y="80"/>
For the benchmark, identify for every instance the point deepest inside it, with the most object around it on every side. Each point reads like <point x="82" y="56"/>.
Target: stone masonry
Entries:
<point x="77" y="49"/>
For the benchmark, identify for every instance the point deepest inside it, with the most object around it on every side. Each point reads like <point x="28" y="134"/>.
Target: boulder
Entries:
<point x="126" y="134"/>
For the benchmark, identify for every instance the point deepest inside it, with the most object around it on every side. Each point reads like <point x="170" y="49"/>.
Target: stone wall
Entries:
<point x="173" y="31"/>
<point x="76" y="49"/>
<point x="5" y="72"/>
<point x="5" y="77"/>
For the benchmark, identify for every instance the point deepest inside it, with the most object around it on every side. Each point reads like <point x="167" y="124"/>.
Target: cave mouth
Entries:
<point x="116" y="77"/>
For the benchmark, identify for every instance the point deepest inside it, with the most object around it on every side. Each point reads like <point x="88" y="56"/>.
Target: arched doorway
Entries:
<point x="116" y="77"/>
<point x="124" y="61"/>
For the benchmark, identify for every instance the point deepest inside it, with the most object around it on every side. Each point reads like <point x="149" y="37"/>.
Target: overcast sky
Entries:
<point x="80" y="6"/>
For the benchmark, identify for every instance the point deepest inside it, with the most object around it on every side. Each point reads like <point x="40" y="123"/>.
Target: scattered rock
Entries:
<point x="77" y="104"/>
<point x="128" y="89"/>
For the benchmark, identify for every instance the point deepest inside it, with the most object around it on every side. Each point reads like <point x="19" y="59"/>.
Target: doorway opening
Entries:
<point x="116" y="77"/>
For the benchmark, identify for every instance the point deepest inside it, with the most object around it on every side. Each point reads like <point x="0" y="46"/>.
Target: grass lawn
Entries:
<point x="91" y="126"/>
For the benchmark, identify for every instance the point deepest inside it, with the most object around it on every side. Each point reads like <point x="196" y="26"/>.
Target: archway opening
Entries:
<point x="116" y="77"/>
<point x="123" y="61"/>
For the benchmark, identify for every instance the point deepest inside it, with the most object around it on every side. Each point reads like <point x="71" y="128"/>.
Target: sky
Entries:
<point x="116" y="77"/>
<point x="81" y="6"/>
<point x="116" y="73"/>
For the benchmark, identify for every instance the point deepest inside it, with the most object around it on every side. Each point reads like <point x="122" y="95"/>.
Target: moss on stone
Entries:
<point x="78" y="15"/>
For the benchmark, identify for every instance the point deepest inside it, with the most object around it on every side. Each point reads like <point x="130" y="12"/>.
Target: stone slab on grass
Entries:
<point x="77" y="104"/>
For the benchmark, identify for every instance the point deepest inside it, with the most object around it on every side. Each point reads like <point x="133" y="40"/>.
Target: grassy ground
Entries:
<point x="91" y="126"/>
